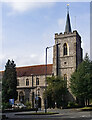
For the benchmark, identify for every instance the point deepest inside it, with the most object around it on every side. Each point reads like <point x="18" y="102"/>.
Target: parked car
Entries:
<point x="21" y="105"/>
<point x="18" y="105"/>
<point x="15" y="105"/>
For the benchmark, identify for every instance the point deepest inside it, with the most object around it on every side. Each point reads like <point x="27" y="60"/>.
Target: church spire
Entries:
<point x="68" y="25"/>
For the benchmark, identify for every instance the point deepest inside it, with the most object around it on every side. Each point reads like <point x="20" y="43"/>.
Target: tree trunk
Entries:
<point x="86" y="102"/>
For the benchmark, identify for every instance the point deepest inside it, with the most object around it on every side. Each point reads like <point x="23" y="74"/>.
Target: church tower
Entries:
<point x="67" y="51"/>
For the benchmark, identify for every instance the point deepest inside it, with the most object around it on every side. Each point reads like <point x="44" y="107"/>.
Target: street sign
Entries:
<point x="11" y="101"/>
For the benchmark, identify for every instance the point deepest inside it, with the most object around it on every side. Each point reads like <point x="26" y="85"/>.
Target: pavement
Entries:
<point x="64" y="114"/>
<point x="48" y="119"/>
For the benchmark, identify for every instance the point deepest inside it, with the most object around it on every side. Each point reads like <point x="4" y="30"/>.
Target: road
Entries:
<point x="64" y="114"/>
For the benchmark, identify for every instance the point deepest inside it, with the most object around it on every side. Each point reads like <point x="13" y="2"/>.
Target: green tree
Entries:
<point x="81" y="82"/>
<point x="55" y="92"/>
<point x="9" y="82"/>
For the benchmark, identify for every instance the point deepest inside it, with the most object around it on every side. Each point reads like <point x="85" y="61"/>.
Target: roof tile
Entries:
<point x="34" y="70"/>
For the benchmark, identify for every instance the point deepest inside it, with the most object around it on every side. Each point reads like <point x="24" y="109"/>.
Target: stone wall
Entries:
<point x="67" y="63"/>
<point x="29" y="90"/>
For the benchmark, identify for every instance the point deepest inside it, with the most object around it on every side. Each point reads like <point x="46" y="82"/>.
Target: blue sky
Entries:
<point x="28" y="28"/>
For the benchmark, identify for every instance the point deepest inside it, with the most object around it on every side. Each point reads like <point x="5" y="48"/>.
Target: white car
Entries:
<point x="21" y="105"/>
<point x="18" y="105"/>
<point x="15" y="105"/>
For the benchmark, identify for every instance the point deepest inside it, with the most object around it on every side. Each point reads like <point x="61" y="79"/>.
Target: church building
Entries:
<point x="67" y="55"/>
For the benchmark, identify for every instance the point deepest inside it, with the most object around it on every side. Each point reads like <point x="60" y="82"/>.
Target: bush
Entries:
<point x="64" y="105"/>
<point x="28" y="104"/>
<point x="6" y="105"/>
<point x="90" y="101"/>
<point x="72" y="104"/>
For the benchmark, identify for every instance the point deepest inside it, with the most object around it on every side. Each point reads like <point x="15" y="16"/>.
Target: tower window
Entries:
<point x="27" y="82"/>
<point x="65" y="77"/>
<point x="65" y="49"/>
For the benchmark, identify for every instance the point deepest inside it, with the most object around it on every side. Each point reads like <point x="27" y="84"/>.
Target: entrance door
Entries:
<point x="39" y="102"/>
<point x="21" y="97"/>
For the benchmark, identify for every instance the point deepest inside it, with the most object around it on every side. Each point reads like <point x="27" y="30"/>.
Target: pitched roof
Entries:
<point x="34" y="70"/>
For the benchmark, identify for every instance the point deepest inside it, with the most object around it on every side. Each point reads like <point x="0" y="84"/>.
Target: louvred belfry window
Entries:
<point x="65" y="49"/>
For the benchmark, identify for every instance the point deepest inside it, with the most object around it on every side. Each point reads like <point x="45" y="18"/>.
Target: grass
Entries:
<point x="86" y="109"/>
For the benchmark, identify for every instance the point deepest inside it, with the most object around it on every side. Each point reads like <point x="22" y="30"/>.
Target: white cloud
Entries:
<point x="27" y="60"/>
<point x="22" y="6"/>
<point x="61" y="23"/>
<point x="25" y="5"/>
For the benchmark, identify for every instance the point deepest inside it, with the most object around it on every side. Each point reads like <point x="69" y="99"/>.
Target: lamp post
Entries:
<point x="36" y="97"/>
<point x="57" y="58"/>
<point x="46" y="80"/>
<point x="32" y="90"/>
<point x="46" y="73"/>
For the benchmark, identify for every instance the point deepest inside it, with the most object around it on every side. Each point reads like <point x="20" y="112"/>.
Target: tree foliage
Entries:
<point x="56" y="91"/>
<point x="81" y="80"/>
<point x="9" y="82"/>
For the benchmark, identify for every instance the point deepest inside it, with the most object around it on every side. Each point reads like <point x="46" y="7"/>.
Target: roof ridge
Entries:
<point x="33" y="66"/>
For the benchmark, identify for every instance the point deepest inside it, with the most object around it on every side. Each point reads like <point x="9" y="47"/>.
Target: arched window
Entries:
<point x="37" y="81"/>
<point x="65" y="49"/>
<point x="65" y="77"/>
<point x="27" y="82"/>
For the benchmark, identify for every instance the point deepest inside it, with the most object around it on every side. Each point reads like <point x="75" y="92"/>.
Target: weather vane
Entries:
<point x="67" y="7"/>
